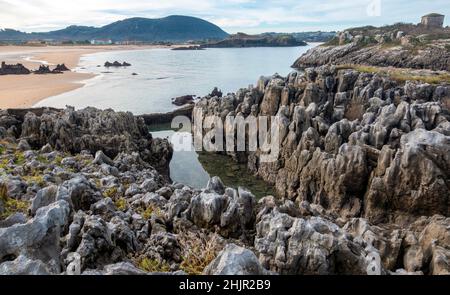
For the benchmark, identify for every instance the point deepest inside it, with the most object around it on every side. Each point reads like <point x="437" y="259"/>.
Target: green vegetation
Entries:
<point x="147" y="213"/>
<point x="160" y="127"/>
<point x="111" y="192"/>
<point x="153" y="265"/>
<point x="121" y="204"/>
<point x="42" y="159"/>
<point x="401" y="75"/>
<point x="35" y="178"/>
<point x="11" y="205"/>
<point x="332" y="42"/>
<point x="19" y="158"/>
<point x="234" y="174"/>
<point x="58" y="160"/>
<point x="4" y="164"/>
<point x="151" y="210"/>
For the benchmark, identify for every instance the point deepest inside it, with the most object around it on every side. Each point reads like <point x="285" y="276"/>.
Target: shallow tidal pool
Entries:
<point x="195" y="169"/>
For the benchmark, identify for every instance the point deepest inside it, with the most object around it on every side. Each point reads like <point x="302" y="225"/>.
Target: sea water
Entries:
<point x="163" y="74"/>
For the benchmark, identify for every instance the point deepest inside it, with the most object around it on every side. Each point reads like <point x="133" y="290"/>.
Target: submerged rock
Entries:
<point x="182" y="100"/>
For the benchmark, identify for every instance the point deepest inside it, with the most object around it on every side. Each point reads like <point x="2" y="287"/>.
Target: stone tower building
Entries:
<point x="433" y="20"/>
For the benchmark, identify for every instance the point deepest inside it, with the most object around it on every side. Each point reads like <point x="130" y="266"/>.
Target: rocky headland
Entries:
<point x="400" y="45"/>
<point x="263" y="40"/>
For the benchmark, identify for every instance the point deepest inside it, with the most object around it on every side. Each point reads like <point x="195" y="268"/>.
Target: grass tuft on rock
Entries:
<point x="198" y="251"/>
<point x="111" y="192"/>
<point x="152" y="210"/>
<point x="11" y="205"/>
<point x="153" y="265"/>
<point x="121" y="204"/>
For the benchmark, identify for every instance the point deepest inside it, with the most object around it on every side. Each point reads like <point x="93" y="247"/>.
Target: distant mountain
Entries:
<point x="175" y="28"/>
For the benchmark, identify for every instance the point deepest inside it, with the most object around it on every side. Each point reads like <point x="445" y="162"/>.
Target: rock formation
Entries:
<point x="89" y="130"/>
<point x="262" y="40"/>
<point x="80" y="194"/>
<point x="183" y="100"/>
<point x="193" y="47"/>
<point x="61" y="68"/>
<point x="216" y="92"/>
<point x="43" y="69"/>
<point x="17" y="69"/>
<point x="360" y="145"/>
<point x="400" y="45"/>
<point x="117" y="64"/>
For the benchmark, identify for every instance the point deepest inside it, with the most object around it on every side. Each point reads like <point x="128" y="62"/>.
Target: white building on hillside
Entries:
<point x="101" y="42"/>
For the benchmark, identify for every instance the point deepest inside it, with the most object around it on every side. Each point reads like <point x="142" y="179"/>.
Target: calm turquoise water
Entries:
<point x="164" y="74"/>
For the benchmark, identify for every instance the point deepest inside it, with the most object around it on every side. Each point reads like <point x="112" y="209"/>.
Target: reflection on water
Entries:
<point x="195" y="169"/>
<point x="185" y="166"/>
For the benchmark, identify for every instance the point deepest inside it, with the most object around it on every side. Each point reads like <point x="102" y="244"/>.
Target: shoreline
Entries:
<point x="25" y="91"/>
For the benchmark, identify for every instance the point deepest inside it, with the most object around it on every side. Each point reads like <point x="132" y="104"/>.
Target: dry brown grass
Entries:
<point x="354" y="112"/>
<point x="402" y="75"/>
<point x="198" y="251"/>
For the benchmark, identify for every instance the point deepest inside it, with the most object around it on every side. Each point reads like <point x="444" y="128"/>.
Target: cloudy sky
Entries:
<point x="250" y="16"/>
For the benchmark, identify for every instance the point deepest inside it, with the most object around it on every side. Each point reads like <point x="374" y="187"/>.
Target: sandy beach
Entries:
<point x="22" y="91"/>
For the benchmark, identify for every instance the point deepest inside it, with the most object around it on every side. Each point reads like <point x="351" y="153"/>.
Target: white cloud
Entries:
<point x="232" y="15"/>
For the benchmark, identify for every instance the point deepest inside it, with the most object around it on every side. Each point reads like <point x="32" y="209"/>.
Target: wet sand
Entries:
<point x="23" y="91"/>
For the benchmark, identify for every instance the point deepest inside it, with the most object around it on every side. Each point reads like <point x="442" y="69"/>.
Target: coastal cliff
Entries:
<point x="400" y="45"/>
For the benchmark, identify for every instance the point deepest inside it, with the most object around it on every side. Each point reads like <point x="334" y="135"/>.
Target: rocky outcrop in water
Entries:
<point x="194" y="47"/>
<point x="61" y="68"/>
<point x="183" y="100"/>
<point x="43" y="69"/>
<point x="216" y="92"/>
<point x="116" y="64"/>
<point x="17" y="69"/>
<point x="359" y="144"/>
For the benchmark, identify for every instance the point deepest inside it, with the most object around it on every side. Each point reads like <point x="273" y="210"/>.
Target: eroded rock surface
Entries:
<point x="358" y="144"/>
